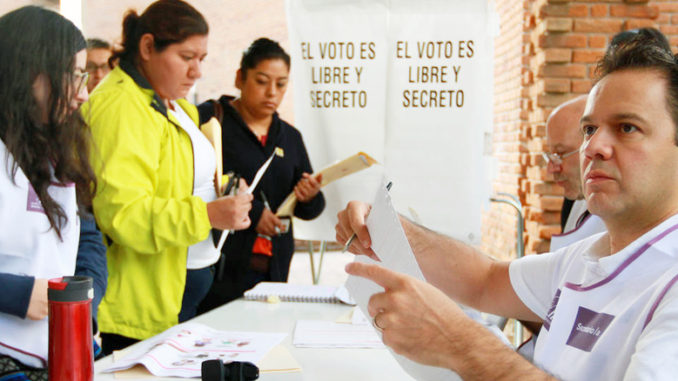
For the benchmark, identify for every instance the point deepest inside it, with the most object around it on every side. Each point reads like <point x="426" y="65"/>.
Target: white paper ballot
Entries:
<point x="250" y="189"/>
<point x="390" y="244"/>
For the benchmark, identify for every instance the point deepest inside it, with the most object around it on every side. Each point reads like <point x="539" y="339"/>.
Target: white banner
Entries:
<point x="409" y="83"/>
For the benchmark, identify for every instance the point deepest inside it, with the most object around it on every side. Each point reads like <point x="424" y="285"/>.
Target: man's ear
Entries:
<point x="238" y="79"/>
<point x="146" y="46"/>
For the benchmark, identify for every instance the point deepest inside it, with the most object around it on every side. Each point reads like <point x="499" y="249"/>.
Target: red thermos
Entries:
<point x="71" y="355"/>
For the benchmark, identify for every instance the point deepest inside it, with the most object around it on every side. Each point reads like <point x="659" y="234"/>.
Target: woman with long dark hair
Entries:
<point x="156" y="199"/>
<point x="251" y="132"/>
<point x="45" y="175"/>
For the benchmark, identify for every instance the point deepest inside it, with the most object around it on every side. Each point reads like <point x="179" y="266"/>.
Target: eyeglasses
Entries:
<point x="92" y="67"/>
<point x="80" y="79"/>
<point x="557" y="158"/>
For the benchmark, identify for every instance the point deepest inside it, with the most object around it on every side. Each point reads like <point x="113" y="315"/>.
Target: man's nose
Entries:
<point x="552" y="167"/>
<point x="599" y="145"/>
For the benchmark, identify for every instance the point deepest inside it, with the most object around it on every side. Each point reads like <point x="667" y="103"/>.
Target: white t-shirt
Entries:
<point x="633" y="286"/>
<point x="28" y="246"/>
<point x="203" y="253"/>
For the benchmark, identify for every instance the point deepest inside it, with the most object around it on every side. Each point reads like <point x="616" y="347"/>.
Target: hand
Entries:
<point x="230" y="212"/>
<point x="268" y="222"/>
<point x="38" y="306"/>
<point x="242" y="186"/>
<point x="352" y="220"/>
<point x="307" y="187"/>
<point x="417" y="320"/>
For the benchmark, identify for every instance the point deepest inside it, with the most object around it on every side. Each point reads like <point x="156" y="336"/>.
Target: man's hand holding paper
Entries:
<point x="408" y="310"/>
<point x="352" y="221"/>
<point x="417" y="320"/>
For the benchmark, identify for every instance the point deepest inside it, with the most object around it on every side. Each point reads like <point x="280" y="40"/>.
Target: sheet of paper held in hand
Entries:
<point x="390" y="244"/>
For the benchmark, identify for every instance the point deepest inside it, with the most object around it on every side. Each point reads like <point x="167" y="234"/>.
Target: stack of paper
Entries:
<point x="329" y="334"/>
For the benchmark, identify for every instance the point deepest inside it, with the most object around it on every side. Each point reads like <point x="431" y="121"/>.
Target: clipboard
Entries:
<point x="333" y="172"/>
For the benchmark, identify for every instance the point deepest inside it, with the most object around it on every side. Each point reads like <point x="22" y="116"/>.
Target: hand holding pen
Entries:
<point x="231" y="211"/>
<point x="351" y="225"/>
<point x="269" y="224"/>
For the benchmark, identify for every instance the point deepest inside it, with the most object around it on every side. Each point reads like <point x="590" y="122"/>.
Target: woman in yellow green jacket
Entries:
<point x="155" y="202"/>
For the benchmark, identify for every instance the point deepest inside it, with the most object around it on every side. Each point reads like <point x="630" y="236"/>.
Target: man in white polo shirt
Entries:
<point x="609" y="303"/>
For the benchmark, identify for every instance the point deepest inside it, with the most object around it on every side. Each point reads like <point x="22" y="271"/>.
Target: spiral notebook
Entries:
<point x="299" y="293"/>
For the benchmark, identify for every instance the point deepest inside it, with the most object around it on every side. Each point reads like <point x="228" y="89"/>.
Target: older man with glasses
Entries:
<point x="563" y="138"/>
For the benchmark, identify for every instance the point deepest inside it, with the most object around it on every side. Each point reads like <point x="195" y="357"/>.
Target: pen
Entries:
<point x="236" y="185"/>
<point x="266" y="204"/>
<point x="350" y="240"/>
<point x="225" y="233"/>
<point x="257" y="177"/>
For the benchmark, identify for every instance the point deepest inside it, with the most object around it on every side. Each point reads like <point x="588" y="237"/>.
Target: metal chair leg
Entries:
<point x="315" y="276"/>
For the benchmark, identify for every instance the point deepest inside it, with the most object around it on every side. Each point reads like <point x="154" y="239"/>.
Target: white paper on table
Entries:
<point x="391" y="246"/>
<point x="180" y="350"/>
<point x="330" y="334"/>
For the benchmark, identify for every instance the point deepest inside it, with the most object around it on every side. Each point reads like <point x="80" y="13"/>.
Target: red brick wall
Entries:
<point x="499" y="222"/>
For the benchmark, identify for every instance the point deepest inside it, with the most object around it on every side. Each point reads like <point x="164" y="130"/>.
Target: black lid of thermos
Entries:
<point x="70" y="289"/>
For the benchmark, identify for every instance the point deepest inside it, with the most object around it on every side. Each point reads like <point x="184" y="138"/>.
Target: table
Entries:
<point x="317" y="364"/>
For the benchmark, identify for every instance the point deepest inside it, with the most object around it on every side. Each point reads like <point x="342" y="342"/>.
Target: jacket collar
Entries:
<point x="130" y="69"/>
<point x="273" y="130"/>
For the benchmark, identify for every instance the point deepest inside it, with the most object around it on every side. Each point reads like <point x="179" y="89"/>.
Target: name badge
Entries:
<point x="279" y="152"/>
<point x="587" y="328"/>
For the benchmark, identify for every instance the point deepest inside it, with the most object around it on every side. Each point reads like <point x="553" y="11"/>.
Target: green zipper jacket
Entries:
<point x="144" y="203"/>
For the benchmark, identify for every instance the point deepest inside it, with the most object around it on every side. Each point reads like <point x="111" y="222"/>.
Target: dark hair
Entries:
<point x="260" y="50"/>
<point x="650" y="35"/>
<point x="59" y="148"/>
<point x="169" y="21"/>
<point x="640" y="52"/>
<point x="97" y="43"/>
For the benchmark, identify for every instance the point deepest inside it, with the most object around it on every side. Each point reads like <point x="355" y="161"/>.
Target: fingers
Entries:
<point x="352" y="220"/>
<point x="302" y="191"/>
<point x="242" y="186"/>
<point x="357" y="212"/>
<point x="384" y="277"/>
<point x="269" y="224"/>
<point x="379" y="303"/>
<point x="242" y="224"/>
<point x="376" y="324"/>
<point x="38" y="305"/>
<point x="312" y="181"/>
<point x="299" y="194"/>
<point x="307" y="187"/>
<point x="342" y="234"/>
<point x="239" y="208"/>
